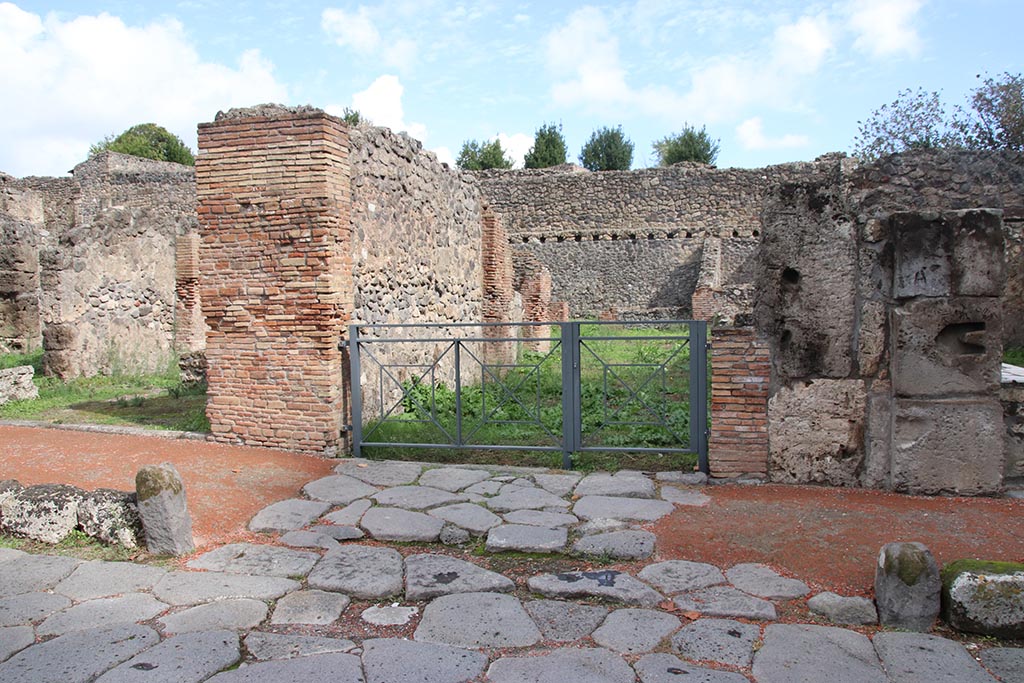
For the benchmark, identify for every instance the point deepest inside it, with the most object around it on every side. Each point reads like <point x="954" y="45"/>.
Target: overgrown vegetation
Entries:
<point x="633" y="393"/>
<point x="157" y="401"/>
<point x="1014" y="356"/>
<point x="149" y="141"/>
<point x="689" y="144"/>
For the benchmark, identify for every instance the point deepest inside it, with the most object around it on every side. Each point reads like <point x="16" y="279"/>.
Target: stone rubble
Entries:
<point x="278" y="611"/>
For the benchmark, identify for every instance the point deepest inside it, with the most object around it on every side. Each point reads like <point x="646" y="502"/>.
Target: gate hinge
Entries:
<point x="343" y="344"/>
<point x="345" y="429"/>
<point x="707" y="345"/>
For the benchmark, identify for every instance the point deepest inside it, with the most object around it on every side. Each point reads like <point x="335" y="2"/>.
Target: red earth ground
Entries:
<point x="828" y="537"/>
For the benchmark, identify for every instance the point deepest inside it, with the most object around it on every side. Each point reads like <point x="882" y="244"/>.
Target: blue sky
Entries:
<point x="774" y="81"/>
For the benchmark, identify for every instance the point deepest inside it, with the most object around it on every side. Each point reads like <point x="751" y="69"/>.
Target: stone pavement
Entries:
<point x="333" y="597"/>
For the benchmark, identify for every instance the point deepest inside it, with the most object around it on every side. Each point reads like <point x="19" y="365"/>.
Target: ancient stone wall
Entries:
<point x="724" y="290"/>
<point x="21" y="222"/>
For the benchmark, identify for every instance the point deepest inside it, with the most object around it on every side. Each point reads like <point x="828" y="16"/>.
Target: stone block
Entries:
<point x="878" y="438"/>
<point x="816" y="432"/>
<point x="163" y="509"/>
<point x="907" y="587"/>
<point x="45" y="512"/>
<point x="16" y="384"/>
<point x="946" y="346"/>
<point x="949" y="254"/>
<point x="984" y="597"/>
<point x="111" y="516"/>
<point x="951" y="446"/>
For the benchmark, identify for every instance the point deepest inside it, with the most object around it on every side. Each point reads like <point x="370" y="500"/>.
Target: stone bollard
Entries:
<point x="163" y="509"/>
<point x="907" y="587"/>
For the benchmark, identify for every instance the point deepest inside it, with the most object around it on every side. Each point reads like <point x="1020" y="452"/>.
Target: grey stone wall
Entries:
<point x="417" y="232"/>
<point x="21" y="222"/>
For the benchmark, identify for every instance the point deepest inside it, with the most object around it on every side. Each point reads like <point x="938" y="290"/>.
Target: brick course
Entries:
<point x="740" y="372"/>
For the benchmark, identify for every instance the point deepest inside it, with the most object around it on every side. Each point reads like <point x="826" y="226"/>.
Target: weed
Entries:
<point x="1014" y="356"/>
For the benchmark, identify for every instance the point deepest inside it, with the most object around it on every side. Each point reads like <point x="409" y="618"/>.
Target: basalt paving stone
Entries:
<point x="350" y="514"/>
<point x="325" y="668"/>
<point x="726" y="601"/>
<point x="724" y="641"/>
<point x="309" y="607"/>
<point x="565" y="665"/>
<point x="78" y="657"/>
<point x="626" y="484"/>
<point x="34" y="573"/>
<point x="469" y="516"/>
<point x="635" y="509"/>
<point x="607" y="583"/>
<point x="634" y="631"/>
<point x="13" y="639"/>
<point x="389" y="615"/>
<point x="1005" y="662"/>
<point x="186" y="658"/>
<point x="541" y="518"/>
<point x="430" y="576"/>
<point x="524" y="538"/>
<point x="521" y="498"/>
<point x="802" y="652"/>
<point x="679" y="496"/>
<point x="601" y="525"/>
<point x="338" y="533"/>
<point x="239" y="614"/>
<point x="558" y="484"/>
<point x="287" y="515"/>
<point x="476" y="620"/>
<point x="393" y="660"/>
<point x="764" y="582"/>
<point x="620" y="545"/>
<point x="381" y="473"/>
<point x="687" y="478"/>
<point x="484" y="488"/>
<point x="7" y="554"/>
<point x="192" y="588"/>
<point x="452" y="478"/>
<point x="310" y="539"/>
<point x="29" y="607"/>
<point x="563" y="621"/>
<point x="396" y="524"/>
<point x="262" y="560"/>
<point x="416" y="497"/>
<point x="843" y="610"/>
<point x="97" y="579"/>
<point x="360" y="571"/>
<point x="267" y="646"/>
<point x="665" y="668"/>
<point x="339" y="489"/>
<point x="102" y="612"/>
<point x="676" y="576"/>
<point x="922" y="658"/>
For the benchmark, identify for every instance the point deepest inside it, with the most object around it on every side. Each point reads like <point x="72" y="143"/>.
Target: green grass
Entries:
<point x="1014" y="356"/>
<point x="156" y="401"/>
<point x="634" y="393"/>
<point x="13" y="360"/>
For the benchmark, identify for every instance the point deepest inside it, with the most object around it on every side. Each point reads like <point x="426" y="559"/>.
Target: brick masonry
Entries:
<point x="276" y="266"/>
<point x="740" y="375"/>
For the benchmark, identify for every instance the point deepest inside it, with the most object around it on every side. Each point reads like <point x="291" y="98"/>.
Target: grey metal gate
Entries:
<point x="587" y="386"/>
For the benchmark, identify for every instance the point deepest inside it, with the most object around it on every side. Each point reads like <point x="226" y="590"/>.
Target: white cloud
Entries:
<point x="382" y="104"/>
<point x="516" y="146"/>
<point x="751" y="135"/>
<point x="444" y="155"/>
<point x="358" y="31"/>
<point x="885" y="28"/>
<point x="71" y="82"/>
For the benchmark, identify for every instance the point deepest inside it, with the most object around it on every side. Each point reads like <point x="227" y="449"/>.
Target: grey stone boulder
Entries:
<point x="726" y="601"/>
<point x="677" y="576"/>
<point x="619" y="545"/>
<point x="309" y="607"/>
<point x="635" y="631"/>
<point x="319" y="668"/>
<point x="16" y="384"/>
<point x="45" y="512"/>
<point x="907" y="587"/>
<point x="801" y="652"/>
<point x="984" y="597"/>
<point x="78" y="657"/>
<point x="610" y="584"/>
<point x="476" y="620"/>
<point x="724" y="641"/>
<point x="765" y="582"/>
<point x="338" y="489"/>
<point x="564" y="665"/>
<point x="262" y="560"/>
<point x="160" y="496"/>
<point x="188" y="658"/>
<point x="360" y="571"/>
<point x="562" y="621"/>
<point x="111" y="516"/>
<point x="665" y="668"/>
<point x="266" y="646"/>
<point x="288" y="515"/>
<point x="528" y="539"/>
<point x="381" y="472"/>
<point x="922" y="658"/>
<point x="430" y="576"/>
<point x="452" y="478"/>
<point x="628" y="484"/>
<point x="843" y="610"/>
<point x="396" y="524"/>
<point x="390" y="660"/>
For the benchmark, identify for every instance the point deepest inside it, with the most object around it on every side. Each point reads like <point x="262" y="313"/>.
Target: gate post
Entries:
<point x="699" y="391"/>
<point x="570" y="336"/>
<point x="740" y="373"/>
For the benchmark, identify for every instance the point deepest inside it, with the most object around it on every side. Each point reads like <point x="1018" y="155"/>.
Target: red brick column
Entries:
<point x="740" y="372"/>
<point x="499" y="292"/>
<point x="188" y="315"/>
<point x="276" y="287"/>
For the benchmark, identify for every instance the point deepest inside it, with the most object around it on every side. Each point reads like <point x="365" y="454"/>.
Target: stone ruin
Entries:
<point x="859" y="310"/>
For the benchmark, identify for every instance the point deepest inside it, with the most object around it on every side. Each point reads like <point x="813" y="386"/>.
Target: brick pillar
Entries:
<point x="534" y="283"/>
<point x="189" y="332"/>
<point x="498" y="292"/>
<point x="273" y="205"/>
<point x="740" y="372"/>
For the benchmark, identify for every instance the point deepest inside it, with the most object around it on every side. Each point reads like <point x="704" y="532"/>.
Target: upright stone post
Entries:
<point x="276" y="272"/>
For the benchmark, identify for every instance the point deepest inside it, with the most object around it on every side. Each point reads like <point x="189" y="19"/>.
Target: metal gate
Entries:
<point x="578" y="387"/>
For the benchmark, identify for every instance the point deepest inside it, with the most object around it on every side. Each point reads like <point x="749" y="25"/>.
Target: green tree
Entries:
<point x="548" y="148"/>
<point x="689" y="145"/>
<point x="996" y="117"/>
<point x="149" y="141"/>
<point x="607" y="150"/>
<point x="480" y="156"/>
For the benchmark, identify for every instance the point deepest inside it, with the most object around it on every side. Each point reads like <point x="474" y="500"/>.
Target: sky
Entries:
<point x="773" y="81"/>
